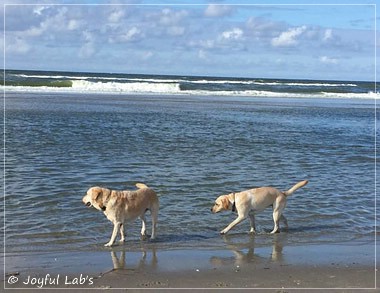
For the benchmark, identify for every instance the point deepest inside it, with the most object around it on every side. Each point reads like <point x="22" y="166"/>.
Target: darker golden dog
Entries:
<point x="124" y="206"/>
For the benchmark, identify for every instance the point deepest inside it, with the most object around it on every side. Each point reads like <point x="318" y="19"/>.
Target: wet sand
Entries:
<point x="272" y="276"/>
<point x="327" y="267"/>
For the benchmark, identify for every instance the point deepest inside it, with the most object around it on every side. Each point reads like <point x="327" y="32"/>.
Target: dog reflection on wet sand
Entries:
<point x="119" y="263"/>
<point x="244" y="252"/>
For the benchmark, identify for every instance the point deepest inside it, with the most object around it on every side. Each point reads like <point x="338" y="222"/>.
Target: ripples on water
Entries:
<point x="190" y="150"/>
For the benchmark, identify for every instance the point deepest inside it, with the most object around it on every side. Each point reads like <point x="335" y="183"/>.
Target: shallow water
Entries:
<point x="190" y="150"/>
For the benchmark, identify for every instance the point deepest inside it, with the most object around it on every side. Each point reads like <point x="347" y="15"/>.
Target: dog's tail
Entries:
<point x="141" y="185"/>
<point x="295" y="187"/>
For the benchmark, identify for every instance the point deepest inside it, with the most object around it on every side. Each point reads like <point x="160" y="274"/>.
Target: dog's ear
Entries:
<point x="98" y="192"/>
<point x="106" y="194"/>
<point x="98" y="197"/>
<point x="102" y="197"/>
<point x="225" y="203"/>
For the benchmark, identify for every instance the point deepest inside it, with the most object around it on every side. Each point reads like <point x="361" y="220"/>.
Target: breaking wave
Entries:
<point x="31" y="81"/>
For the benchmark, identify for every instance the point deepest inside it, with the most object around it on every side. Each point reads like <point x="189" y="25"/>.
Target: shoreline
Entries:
<point x="343" y="266"/>
<point x="369" y="97"/>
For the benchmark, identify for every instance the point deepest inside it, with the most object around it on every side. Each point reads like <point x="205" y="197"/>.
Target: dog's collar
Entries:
<point x="233" y="204"/>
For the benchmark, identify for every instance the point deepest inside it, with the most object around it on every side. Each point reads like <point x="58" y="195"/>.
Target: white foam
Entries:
<point x="173" y="88"/>
<point x="193" y="80"/>
<point x="131" y="87"/>
<point x="107" y="78"/>
<point x="311" y="84"/>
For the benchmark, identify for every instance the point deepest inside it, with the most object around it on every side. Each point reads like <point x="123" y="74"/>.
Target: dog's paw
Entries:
<point x="223" y="232"/>
<point x="109" y="244"/>
<point x="275" y="231"/>
<point x="143" y="237"/>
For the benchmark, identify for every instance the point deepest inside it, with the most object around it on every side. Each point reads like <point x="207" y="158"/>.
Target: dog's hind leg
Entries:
<point x="252" y="221"/>
<point x="122" y="234"/>
<point x="143" y="226"/>
<point x="276" y="220"/>
<point x="277" y="215"/>
<point x="116" y="227"/>
<point x="154" y="214"/>
<point x="278" y="207"/>
<point x="282" y="218"/>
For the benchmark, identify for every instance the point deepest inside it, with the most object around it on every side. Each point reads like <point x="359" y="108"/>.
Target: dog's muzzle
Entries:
<point x="88" y="204"/>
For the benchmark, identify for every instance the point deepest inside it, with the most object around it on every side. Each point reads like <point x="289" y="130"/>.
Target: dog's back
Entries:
<point x="128" y="204"/>
<point x="145" y="192"/>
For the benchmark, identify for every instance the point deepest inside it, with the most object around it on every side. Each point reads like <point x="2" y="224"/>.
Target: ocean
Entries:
<point x="191" y="139"/>
<point x="35" y="81"/>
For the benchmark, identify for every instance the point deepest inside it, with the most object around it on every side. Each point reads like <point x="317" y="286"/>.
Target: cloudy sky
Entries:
<point x="213" y="38"/>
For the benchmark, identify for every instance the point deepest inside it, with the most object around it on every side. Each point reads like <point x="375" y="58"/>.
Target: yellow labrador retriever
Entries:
<point x="120" y="206"/>
<point x="249" y="202"/>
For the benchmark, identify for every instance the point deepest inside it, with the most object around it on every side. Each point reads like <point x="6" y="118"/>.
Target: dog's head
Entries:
<point x="221" y="203"/>
<point x="97" y="197"/>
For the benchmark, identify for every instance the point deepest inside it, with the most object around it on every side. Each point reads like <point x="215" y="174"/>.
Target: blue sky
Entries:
<point x="293" y="39"/>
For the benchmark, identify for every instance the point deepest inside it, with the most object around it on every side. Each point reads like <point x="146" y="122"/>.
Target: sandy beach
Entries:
<point x="274" y="277"/>
<point x="329" y="268"/>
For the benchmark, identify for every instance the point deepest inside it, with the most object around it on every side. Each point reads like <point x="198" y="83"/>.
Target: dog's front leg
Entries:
<point x="233" y="224"/>
<point x="116" y="227"/>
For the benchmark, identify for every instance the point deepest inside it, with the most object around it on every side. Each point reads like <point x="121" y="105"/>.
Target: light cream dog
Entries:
<point x="249" y="202"/>
<point x="124" y="206"/>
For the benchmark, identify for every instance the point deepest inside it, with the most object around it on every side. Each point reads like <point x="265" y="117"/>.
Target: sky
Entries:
<point x="333" y="40"/>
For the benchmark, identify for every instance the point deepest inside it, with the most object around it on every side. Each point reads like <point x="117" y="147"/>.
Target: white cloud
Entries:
<point x="17" y="46"/>
<point x="131" y="34"/>
<point x="328" y="60"/>
<point x="88" y="49"/>
<point x="166" y="22"/>
<point x="262" y="27"/>
<point x="127" y="35"/>
<point x="234" y="34"/>
<point x="227" y="40"/>
<point x="147" y="55"/>
<point x="39" y="9"/>
<point x="328" y="35"/>
<point x="88" y="36"/>
<point x="58" y="20"/>
<point x="202" y="54"/>
<point x="207" y="44"/>
<point x="33" y="32"/>
<point x="73" y="24"/>
<point x="217" y="10"/>
<point x="116" y="16"/>
<point x="176" y="30"/>
<point x="288" y="38"/>
<point x="169" y="17"/>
